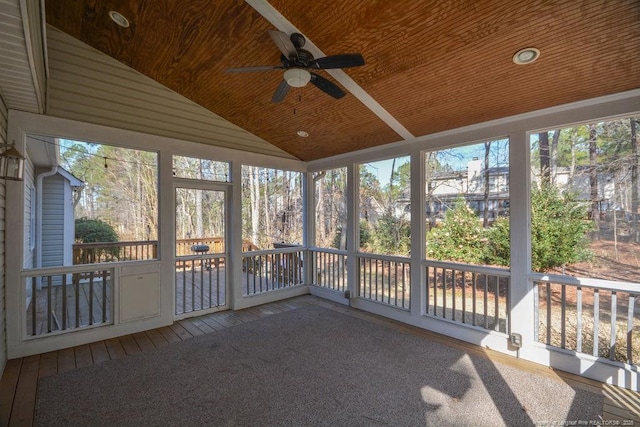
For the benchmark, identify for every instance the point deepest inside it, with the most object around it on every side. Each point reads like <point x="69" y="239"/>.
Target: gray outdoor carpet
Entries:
<point x="309" y="366"/>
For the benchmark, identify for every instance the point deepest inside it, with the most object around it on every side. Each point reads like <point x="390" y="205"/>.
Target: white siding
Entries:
<point x="89" y="86"/>
<point x="3" y="339"/>
<point x="52" y="221"/>
<point x="20" y="58"/>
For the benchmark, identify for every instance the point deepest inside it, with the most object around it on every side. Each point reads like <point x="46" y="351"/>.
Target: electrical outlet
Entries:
<point x="516" y="340"/>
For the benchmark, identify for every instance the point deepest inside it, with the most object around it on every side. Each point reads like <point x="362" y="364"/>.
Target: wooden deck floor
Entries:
<point x="18" y="385"/>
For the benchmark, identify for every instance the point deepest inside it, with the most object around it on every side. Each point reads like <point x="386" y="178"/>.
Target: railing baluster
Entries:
<point x="218" y="281"/>
<point x="435" y="291"/>
<point x="630" y="314"/>
<point x="563" y="316"/>
<point x="579" y="319"/>
<point x="64" y="302"/>
<point x="486" y="301"/>
<point x="536" y="311"/>
<point x="34" y="304"/>
<point x="496" y="326"/>
<point x="91" y="274"/>
<point x="453" y="294"/>
<point x="184" y="287"/>
<point x="548" y="313"/>
<point x="464" y="299"/>
<point x="444" y="293"/>
<point x="49" y="304"/>
<point x="596" y="321"/>
<point x="202" y="268"/>
<point x="76" y="289"/>
<point x="104" y="296"/>
<point x="614" y="317"/>
<point x="473" y="298"/>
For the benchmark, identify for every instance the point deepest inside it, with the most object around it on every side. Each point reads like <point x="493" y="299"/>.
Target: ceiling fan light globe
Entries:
<point x="297" y="77"/>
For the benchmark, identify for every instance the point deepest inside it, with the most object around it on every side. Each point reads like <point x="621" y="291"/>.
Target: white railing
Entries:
<point x="329" y="268"/>
<point x="63" y="299"/>
<point x="587" y="316"/>
<point x="200" y="282"/>
<point x="385" y="279"/>
<point x="272" y="269"/>
<point x="469" y="294"/>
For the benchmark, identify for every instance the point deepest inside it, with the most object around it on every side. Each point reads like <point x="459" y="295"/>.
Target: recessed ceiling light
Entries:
<point x="119" y="19"/>
<point x="302" y="134"/>
<point x="526" y="56"/>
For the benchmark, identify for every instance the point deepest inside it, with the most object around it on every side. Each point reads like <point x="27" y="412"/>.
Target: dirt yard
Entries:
<point x="608" y="262"/>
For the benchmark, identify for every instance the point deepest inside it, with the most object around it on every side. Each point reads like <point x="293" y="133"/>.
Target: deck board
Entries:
<point x="25" y="398"/>
<point x="129" y="345"/>
<point x="8" y="386"/>
<point x="66" y="360"/>
<point x="18" y="385"/>
<point x="115" y="348"/>
<point x="191" y="327"/>
<point x="48" y="364"/>
<point x="180" y="331"/>
<point x="83" y="356"/>
<point x="99" y="352"/>
<point x="143" y="342"/>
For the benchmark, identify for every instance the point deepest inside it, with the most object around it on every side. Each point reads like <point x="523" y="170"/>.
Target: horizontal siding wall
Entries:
<point x="52" y="221"/>
<point x="16" y="80"/>
<point x="3" y="336"/>
<point x="89" y="86"/>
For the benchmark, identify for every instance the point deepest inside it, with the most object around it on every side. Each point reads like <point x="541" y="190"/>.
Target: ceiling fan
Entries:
<point x="297" y="62"/>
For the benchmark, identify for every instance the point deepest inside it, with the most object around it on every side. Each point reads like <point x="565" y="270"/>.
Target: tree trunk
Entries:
<point x="545" y="159"/>
<point x="593" y="180"/>
<point x="554" y="155"/>
<point x="485" y="214"/>
<point x="254" y="192"/>
<point x="634" y="180"/>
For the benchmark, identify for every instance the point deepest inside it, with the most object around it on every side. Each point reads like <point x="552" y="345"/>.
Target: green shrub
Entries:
<point x="392" y="235"/>
<point x="460" y="236"/>
<point x="559" y="231"/>
<point x="94" y="231"/>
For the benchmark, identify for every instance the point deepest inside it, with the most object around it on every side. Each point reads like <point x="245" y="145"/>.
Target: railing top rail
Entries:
<point x="394" y="258"/>
<point x="114" y="244"/>
<point x="202" y="256"/>
<point x="202" y="239"/>
<point x="468" y="267"/>
<point x="274" y="251"/>
<point x="630" y="287"/>
<point x="69" y="269"/>
<point x="328" y="250"/>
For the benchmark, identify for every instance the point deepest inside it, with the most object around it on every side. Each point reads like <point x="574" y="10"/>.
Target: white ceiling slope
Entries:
<point x="22" y="69"/>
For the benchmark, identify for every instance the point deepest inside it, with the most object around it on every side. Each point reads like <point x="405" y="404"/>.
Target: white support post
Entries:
<point x="520" y="292"/>
<point x="418" y="243"/>
<point x="235" y="235"/>
<point x="353" y="227"/>
<point x="309" y="223"/>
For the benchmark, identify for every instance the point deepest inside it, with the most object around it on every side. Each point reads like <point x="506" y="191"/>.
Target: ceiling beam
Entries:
<point x="264" y="8"/>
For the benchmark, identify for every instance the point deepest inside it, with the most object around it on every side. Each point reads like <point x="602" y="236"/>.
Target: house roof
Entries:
<point x="430" y="66"/>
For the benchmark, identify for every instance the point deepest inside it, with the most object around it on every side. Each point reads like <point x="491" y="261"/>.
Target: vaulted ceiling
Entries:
<point x="430" y="65"/>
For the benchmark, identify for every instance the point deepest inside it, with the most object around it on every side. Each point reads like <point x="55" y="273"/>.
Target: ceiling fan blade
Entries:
<point x="284" y="43"/>
<point x="345" y="60"/>
<point x="326" y="86"/>
<point x="258" y="68"/>
<point x="281" y="92"/>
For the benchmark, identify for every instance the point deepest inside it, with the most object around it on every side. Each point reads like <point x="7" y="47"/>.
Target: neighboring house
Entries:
<point x="49" y="206"/>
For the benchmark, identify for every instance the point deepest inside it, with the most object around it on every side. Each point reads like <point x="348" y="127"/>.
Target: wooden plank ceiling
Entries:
<point x="432" y="65"/>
